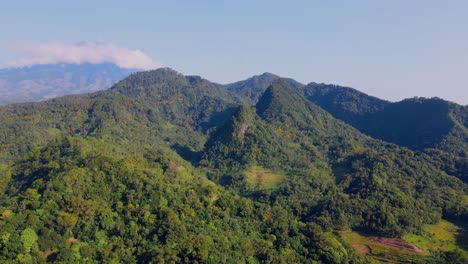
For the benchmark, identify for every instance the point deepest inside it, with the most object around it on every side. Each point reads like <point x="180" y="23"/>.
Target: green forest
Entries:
<point x="167" y="168"/>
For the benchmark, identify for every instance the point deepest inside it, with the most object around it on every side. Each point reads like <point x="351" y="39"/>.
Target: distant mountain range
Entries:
<point x="42" y="82"/>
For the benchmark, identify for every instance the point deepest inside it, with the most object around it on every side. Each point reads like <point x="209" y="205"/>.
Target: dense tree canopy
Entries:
<point x="171" y="168"/>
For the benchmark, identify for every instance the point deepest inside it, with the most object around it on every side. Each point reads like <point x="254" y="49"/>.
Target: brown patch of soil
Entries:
<point x="396" y="242"/>
<point x="47" y="253"/>
<point x="362" y="249"/>
<point x="175" y="167"/>
<point x="73" y="240"/>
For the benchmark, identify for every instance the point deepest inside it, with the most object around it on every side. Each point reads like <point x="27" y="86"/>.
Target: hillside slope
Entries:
<point x="355" y="175"/>
<point x="153" y="107"/>
<point x="416" y="123"/>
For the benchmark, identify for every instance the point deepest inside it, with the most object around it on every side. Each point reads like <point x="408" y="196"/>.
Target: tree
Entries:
<point x="29" y="239"/>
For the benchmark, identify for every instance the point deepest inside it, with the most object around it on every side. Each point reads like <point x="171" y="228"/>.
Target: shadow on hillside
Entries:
<point x="187" y="153"/>
<point x="462" y="236"/>
<point x="218" y="118"/>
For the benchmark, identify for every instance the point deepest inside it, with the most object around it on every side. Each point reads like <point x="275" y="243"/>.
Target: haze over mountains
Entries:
<point x="45" y="81"/>
<point x="167" y="167"/>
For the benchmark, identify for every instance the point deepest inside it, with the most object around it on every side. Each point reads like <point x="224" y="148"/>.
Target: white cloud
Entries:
<point x="82" y="52"/>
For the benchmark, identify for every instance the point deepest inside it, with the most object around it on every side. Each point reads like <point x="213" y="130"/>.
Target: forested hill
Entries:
<point x="158" y="106"/>
<point x="307" y="148"/>
<point x="417" y="123"/>
<point x="344" y="103"/>
<point x="170" y="168"/>
<point x="252" y="88"/>
<point x="185" y="100"/>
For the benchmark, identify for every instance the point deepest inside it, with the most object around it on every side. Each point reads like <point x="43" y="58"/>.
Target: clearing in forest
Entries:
<point x="390" y="250"/>
<point x="444" y="236"/>
<point x="263" y="179"/>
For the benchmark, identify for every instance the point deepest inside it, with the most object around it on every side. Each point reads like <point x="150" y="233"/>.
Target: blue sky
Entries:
<point x="390" y="49"/>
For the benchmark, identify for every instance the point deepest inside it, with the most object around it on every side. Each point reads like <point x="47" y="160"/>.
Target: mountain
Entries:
<point x="42" y="82"/>
<point x="294" y="153"/>
<point x="416" y="123"/>
<point x="344" y="103"/>
<point x="151" y="107"/>
<point x="186" y="100"/>
<point x="164" y="167"/>
<point x="252" y="88"/>
<point x="280" y="117"/>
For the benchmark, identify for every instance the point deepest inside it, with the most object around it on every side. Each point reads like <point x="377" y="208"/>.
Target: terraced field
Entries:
<point x="443" y="236"/>
<point x="383" y="249"/>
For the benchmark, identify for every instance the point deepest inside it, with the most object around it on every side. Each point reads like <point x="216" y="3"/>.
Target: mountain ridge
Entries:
<point x="379" y="118"/>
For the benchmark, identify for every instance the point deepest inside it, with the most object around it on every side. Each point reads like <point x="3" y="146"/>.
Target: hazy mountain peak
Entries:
<point x="46" y="81"/>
